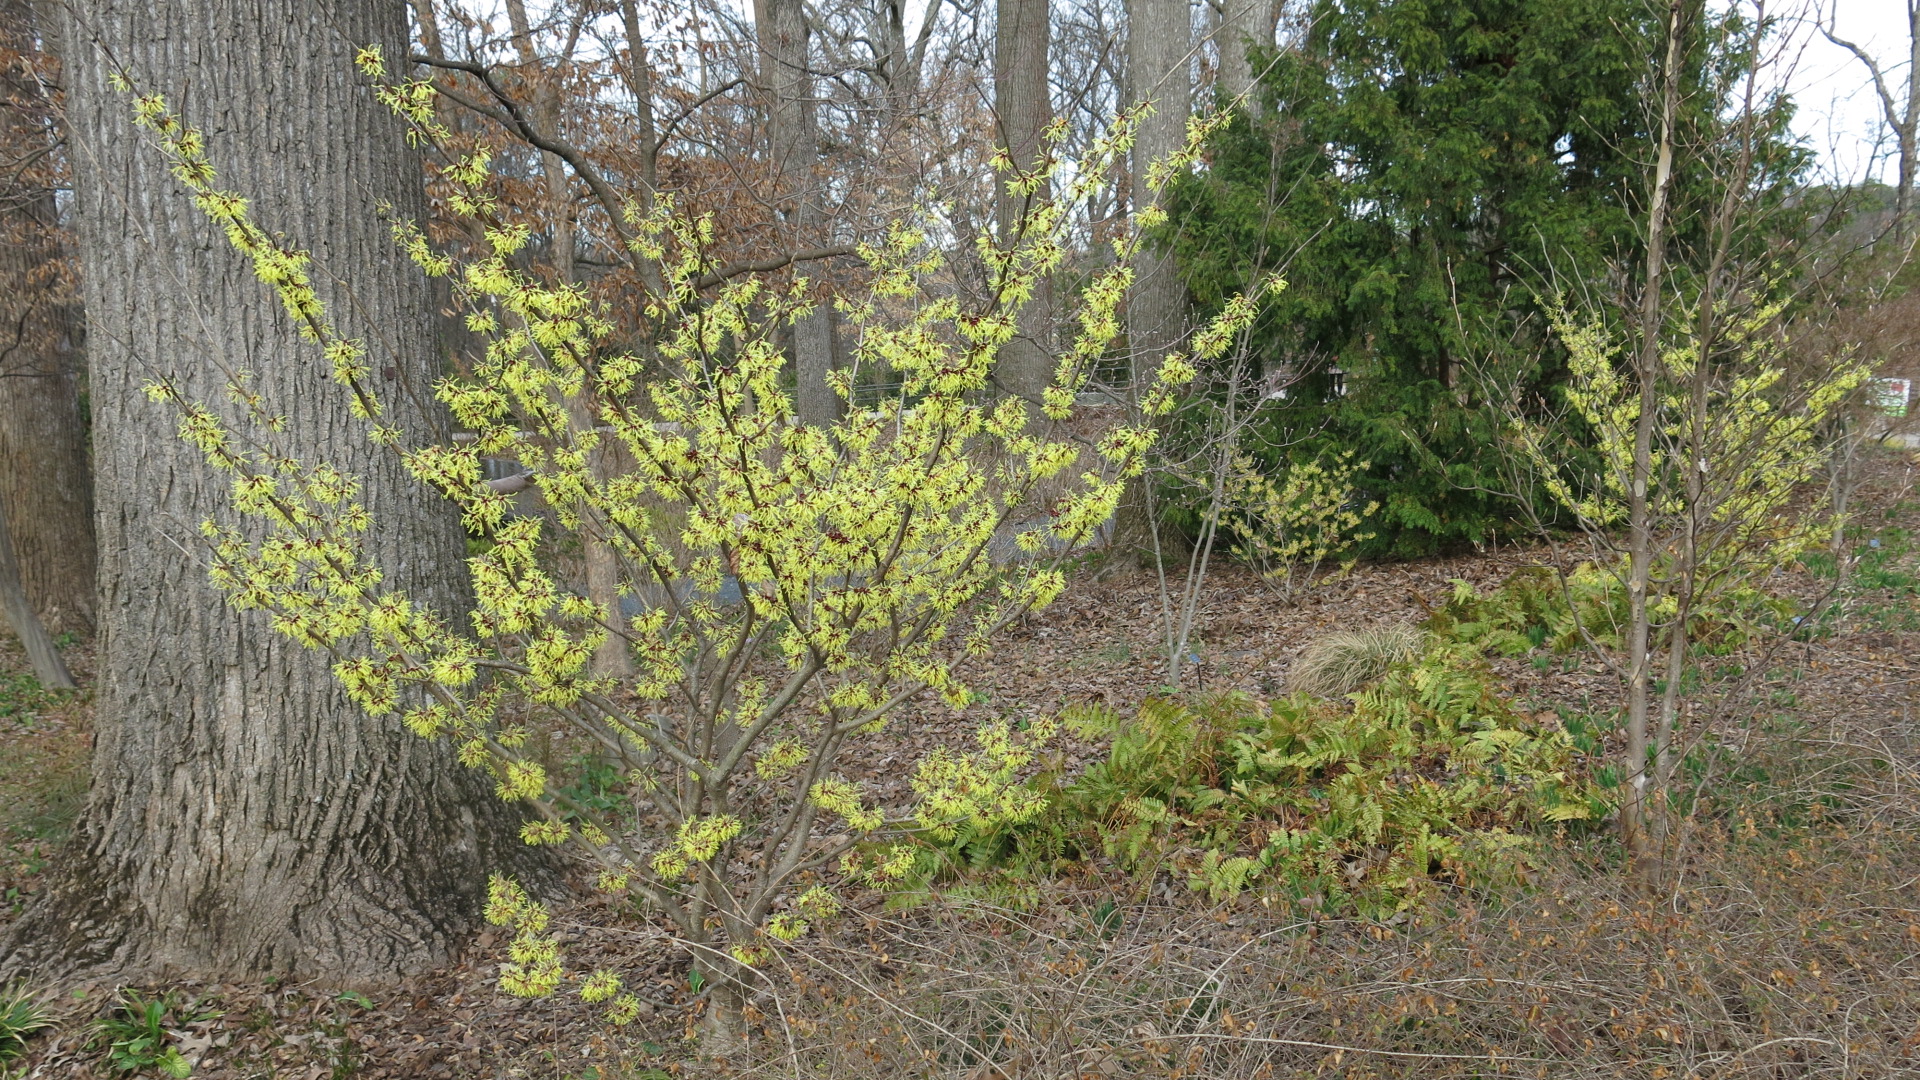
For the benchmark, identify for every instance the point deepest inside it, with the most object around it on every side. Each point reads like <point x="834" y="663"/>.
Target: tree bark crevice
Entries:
<point x="245" y="818"/>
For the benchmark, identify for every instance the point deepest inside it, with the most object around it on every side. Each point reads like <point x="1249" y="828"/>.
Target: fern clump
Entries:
<point x="1431" y="777"/>
<point x="1343" y="663"/>
<point x="1534" y="608"/>
<point x="1537" y="607"/>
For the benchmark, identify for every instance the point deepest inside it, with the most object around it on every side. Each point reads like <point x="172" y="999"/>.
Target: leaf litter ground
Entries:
<point x="1100" y="644"/>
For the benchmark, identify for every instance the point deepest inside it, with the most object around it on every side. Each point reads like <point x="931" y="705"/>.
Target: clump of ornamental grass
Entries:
<point x="1351" y="660"/>
<point x="21" y="1017"/>
<point x="817" y="578"/>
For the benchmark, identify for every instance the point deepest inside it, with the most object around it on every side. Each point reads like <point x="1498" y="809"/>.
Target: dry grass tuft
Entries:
<point x="1750" y="971"/>
<point x="1341" y="664"/>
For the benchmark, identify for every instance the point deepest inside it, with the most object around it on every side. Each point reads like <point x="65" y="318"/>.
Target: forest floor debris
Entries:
<point x="1787" y="940"/>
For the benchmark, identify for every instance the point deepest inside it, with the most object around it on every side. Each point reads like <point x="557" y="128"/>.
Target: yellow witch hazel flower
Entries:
<point x="697" y="842"/>
<point x="984" y="788"/>
<point x="533" y="969"/>
<point x="761" y="591"/>
<point x="842" y="799"/>
<point x="599" y="986"/>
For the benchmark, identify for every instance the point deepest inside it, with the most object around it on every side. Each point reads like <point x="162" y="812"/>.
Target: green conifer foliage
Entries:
<point x="1424" y="170"/>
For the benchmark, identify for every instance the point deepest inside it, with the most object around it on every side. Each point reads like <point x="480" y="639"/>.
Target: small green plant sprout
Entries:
<point x="139" y="1033"/>
<point x="1343" y="663"/>
<point x="788" y="587"/>
<point x="21" y="1015"/>
<point x="1287" y="528"/>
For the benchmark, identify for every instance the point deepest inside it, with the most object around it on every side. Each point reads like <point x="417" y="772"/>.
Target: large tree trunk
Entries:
<point x="1159" y="51"/>
<point x="638" y="75"/>
<point x="1022" y="107"/>
<point x="1239" y="33"/>
<point x="902" y="73"/>
<point x="245" y="819"/>
<point x="793" y="144"/>
<point x="45" y="489"/>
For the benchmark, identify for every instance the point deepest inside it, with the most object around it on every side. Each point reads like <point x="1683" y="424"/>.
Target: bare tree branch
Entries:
<point x="775" y="262"/>
<point x="510" y="116"/>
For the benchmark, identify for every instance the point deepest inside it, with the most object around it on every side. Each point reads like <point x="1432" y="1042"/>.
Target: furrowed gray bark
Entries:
<point x="245" y="819"/>
<point x="793" y="144"/>
<point x="47" y="665"/>
<point x="1159" y="52"/>
<point x="1022" y="107"/>
<point x="1240" y="31"/>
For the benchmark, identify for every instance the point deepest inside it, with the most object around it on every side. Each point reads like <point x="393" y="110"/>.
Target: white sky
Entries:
<point x="1840" y="114"/>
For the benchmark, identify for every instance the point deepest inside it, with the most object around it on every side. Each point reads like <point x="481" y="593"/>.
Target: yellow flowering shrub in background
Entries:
<point x="1287" y="528"/>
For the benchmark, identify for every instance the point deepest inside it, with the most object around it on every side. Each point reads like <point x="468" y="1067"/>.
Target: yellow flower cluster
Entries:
<point x="1288" y="526"/>
<point x="1733" y="442"/>
<point x="791" y="585"/>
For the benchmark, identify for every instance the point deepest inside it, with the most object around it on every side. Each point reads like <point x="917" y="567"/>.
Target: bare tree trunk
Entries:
<point x="1159" y="54"/>
<point x="1648" y="364"/>
<point x="1900" y="112"/>
<point x="1909" y="139"/>
<point x="902" y="74"/>
<point x="1240" y="32"/>
<point x="1904" y="125"/>
<point x="45" y="489"/>
<point x="47" y="665"/>
<point x="423" y="17"/>
<point x="638" y="74"/>
<point x="1023" y="107"/>
<point x="793" y="144"/>
<point x="815" y="354"/>
<point x="245" y="818"/>
<point x="1691" y="557"/>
